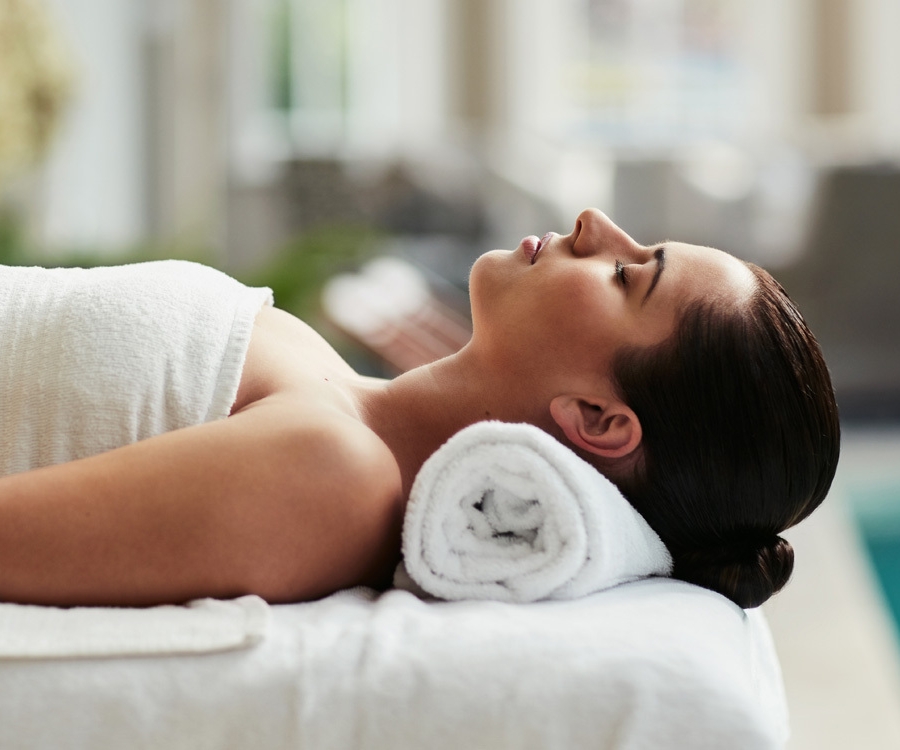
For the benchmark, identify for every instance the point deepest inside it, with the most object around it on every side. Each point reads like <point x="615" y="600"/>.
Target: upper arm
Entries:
<point x="271" y="502"/>
<point x="339" y="522"/>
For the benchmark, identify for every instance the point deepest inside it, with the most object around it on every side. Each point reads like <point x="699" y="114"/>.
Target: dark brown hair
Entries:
<point x="740" y="439"/>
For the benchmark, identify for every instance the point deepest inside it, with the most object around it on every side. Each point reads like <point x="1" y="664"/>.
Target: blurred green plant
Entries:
<point x="11" y="242"/>
<point x="300" y="269"/>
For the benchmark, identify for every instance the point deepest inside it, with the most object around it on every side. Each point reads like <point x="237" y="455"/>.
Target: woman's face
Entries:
<point x="563" y="306"/>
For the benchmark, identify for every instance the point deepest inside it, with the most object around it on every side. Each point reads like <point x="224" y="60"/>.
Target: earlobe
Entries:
<point x="606" y="428"/>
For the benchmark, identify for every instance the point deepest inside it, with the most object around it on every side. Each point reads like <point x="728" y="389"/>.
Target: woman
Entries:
<point x="683" y="374"/>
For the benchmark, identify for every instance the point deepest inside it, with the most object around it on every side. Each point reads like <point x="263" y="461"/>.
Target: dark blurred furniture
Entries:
<point x="848" y="286"/>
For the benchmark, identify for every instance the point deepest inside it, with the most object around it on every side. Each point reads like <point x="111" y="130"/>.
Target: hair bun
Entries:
<point x="747" y="570"/>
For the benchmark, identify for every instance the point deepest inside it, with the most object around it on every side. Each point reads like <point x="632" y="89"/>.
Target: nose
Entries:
<point x="595" y="232"/>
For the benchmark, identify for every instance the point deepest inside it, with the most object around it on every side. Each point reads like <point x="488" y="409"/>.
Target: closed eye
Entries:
<point x="621" y="273"/>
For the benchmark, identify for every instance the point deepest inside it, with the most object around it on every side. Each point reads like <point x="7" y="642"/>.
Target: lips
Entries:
<point x="532" y="245"/>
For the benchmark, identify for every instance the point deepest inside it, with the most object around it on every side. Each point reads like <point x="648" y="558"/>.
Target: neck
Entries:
<point x="417" y="412"/>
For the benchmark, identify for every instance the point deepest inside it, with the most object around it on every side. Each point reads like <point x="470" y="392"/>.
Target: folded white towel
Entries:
<point x="504" y="511"/>
<point x="203" y="626"/>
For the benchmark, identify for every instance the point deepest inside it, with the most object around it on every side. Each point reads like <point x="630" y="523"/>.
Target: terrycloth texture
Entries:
<point x="652" y="665"/>
<point x="93" y="359"/>
<point x="99" y="358"/>
<point x="504" y="511"/>
<point x="203" y="626"/>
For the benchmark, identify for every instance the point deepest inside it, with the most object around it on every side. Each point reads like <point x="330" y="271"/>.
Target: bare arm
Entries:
<point x="271" y="501"/>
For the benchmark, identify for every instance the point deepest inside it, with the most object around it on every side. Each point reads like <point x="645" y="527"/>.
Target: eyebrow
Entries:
<point x="660" y="256"/>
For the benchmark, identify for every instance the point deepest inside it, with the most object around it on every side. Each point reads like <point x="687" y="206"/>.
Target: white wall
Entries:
<point x="397" y="82"/>
<point x="878" y="76"/>
<point x="91" y="193"/>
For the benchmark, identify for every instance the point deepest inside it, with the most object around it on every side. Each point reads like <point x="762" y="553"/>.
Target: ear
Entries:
<point x="604" y="427"/>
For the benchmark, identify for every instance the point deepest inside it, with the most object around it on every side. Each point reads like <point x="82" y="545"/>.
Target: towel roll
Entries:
<point x="506" y="512"/>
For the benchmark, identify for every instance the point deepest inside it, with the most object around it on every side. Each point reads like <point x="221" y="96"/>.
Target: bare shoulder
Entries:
<point x="341" y="489"/>
<point x="348" y="456"/>
<point x="288" y="396"/>
<point x="284" y="352"/>
<point x="328" y="447"/>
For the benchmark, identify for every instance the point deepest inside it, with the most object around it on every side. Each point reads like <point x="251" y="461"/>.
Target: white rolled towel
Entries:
<point x="504" y="511"/>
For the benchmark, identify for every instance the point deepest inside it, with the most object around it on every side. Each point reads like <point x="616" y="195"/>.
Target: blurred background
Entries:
<point x="289" y="142"/>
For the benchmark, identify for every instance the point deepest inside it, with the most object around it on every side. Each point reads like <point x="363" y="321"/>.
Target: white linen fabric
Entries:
<point x="93" y="359"/>
<point x="652" y="665"/>
<point x="504" y="511"/>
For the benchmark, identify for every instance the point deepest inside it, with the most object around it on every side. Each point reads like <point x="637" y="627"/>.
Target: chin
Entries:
<point x="495" y="292"/>
<point x="486" y="275"/>
<point x="495" y="265"/>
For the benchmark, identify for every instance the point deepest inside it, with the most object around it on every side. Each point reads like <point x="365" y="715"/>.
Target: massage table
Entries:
<point x="655" y="664"/>
<point x="129" y="352"/>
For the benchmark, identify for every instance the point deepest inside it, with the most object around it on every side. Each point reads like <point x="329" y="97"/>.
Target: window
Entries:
<point x="308" y="69"/>
<point x="336" y="77"/>
<point x="645" y="72"/>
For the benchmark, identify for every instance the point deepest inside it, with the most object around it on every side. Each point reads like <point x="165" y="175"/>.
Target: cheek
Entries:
<point x="578" y="322"/>
<point x="580" y="303"/>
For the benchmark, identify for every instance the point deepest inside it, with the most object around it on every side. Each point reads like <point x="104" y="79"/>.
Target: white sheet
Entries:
<point x="652" y="664"/>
